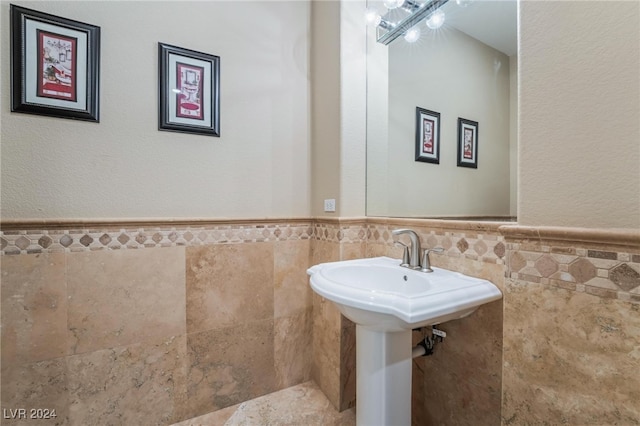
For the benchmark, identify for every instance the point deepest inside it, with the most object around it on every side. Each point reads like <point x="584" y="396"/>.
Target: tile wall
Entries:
<point x="333" y="334"/>
<point x="160" y="322"/>
<point x="572" y="327"/>
<point x="152" y="324"/>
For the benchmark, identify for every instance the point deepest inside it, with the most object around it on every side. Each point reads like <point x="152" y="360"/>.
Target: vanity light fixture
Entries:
<point x="386" y="25"/>
<point x="414" y="12"/>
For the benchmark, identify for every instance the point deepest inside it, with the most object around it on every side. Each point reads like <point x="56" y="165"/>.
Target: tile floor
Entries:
<point x="304" y="404"/>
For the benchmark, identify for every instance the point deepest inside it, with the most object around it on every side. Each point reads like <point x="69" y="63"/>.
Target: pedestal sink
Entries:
<point x="386" y="301"/>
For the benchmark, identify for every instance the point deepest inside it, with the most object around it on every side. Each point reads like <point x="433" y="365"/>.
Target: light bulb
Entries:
<point x="412" y="35"/>
<point x="463" y="3"/>
<point x="372" y="16"/>
<point x="436" y="20"/>
<point x="393" y="4"/>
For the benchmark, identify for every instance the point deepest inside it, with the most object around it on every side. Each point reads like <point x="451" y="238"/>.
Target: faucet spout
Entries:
<point x="414" y="255"/>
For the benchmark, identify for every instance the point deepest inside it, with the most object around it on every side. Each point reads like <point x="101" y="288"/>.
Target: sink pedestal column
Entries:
<point x="383" y="377"/>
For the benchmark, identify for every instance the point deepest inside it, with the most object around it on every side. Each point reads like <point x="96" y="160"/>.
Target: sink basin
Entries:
<point x="380" y="295"/>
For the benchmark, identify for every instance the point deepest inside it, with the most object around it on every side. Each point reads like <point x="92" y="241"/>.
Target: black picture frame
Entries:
<point x="189" y="91"/>
<point x="55" y="65"/>
<point x="467" y="143"/>
<point x="427" y="136"/>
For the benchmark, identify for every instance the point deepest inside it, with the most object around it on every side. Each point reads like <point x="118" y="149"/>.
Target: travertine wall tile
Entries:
<point x="569" y="357"/>
<point x="293" y="348"/>
<point x="347" y="364"/>
<point x="291" y="282"/>
<point x="326" y="323"/>
<point x="228" y="284"/>
<point x="121" y="301"/>
<point x="349" y="251"/>
<point x="142" y="383"/>
<point x="229" y="365"/>
<point x="485" y="270"/>
<point x="326" y="348"/>
<point x="474" y="346"/>
<point x="450" y="389"/>
<point x="606" y="273"/>
<point x="381" y="249"/>
<point x="324" y="251"/>
<point x="34" y="308"/>
<point x="42" y="384"/>
<point x="333" y="335"/>
<point x="122" y="297"/>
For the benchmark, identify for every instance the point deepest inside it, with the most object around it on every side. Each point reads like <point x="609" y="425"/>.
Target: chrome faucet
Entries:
<point x="411" y="257"/>
<point x="414" y="249"/>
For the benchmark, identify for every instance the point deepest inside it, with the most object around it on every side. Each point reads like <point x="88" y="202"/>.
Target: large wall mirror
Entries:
<point x="466" y="69"/>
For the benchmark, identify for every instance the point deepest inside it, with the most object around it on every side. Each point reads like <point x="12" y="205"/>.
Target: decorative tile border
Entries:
<point x="472" y="240"/>
<point x="110" y="236"/>
<point x="604" y="263"/>
<point x="616" y="278"/>
<point x="340" y="230"/>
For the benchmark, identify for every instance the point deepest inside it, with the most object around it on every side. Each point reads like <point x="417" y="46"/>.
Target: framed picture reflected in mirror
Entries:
<point x="427" y="136"/>
<point x="467" y="143"/>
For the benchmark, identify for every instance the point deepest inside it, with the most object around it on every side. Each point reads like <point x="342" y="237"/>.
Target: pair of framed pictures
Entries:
<point x="56" y="72"/>
<point x="428" y="139"/>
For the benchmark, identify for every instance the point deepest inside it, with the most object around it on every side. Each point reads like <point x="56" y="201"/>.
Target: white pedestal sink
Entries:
<point x="386" y="302"/>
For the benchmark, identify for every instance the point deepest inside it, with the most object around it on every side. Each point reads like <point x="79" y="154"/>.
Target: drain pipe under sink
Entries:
<point x="428" y="344"/>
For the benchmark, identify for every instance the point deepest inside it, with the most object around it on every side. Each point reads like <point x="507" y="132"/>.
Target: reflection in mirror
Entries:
<point x="466" y="69"/>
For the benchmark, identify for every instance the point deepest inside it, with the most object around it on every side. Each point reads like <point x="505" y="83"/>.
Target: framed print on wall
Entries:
<point x="467" y="143"/>
<point x="427" y="136"/>
<point x="55" y="65"/>
<point x="189" y="91"/>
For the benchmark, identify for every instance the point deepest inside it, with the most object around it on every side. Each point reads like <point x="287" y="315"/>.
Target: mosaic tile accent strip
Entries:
<point x="485" y="245"/>
<point x="339" y="232"/>
<point x="30" y="241"/>
<point x="578" y="260"/>
<point x="607" y="274"/>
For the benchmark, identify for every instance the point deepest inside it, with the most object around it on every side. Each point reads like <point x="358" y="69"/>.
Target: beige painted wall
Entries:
<point x="579" y="133"/>
<point x="513" y="135"/>
<point x="338" y="121"/>
<point x="353" y="46"/>
<point x="124" y="166"/>
<point x="579" y="136"/>
<point x="325" y="103"/>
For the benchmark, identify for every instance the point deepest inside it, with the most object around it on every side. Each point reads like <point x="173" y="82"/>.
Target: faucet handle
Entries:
<point x="426" y="263"/>
<point x="405" y="253"/>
